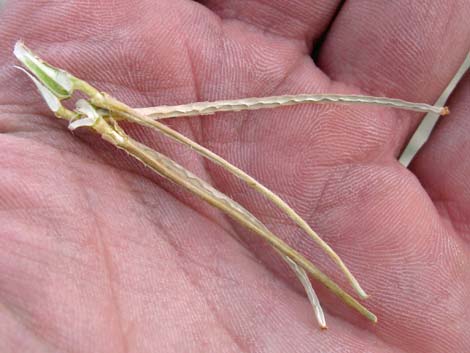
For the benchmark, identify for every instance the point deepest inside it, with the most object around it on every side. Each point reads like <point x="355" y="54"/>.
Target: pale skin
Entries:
<point x="97" y="252"/>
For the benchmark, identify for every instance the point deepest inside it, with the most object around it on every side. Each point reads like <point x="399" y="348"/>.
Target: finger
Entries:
<point x="402" y="49"/>
<point x="443" y="165"/>
<point x="299" y="19"/>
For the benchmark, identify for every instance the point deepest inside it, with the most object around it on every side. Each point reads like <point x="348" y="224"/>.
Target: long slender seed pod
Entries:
<point x="130" y="115"/>
<point x="207" y="108"/>
<point x="169" y="169"/>
<point x="87" y="116"/>
<point x="312" y="296"/>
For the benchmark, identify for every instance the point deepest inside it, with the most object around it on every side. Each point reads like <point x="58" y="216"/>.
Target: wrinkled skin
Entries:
<point x="97" y="254"/>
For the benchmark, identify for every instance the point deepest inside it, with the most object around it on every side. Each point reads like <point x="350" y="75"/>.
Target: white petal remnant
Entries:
<point x="312" y="296"/>
<point x="58" y="81"/>
<point x="88" y="111"/>
<point x="83" y="122"/>
<point x="52" y="101"/>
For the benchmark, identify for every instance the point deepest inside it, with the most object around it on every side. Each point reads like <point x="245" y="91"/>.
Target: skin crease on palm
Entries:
<point x="97" y="254"/>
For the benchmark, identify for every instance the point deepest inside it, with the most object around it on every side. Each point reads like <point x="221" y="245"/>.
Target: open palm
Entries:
<point x="97" y="254"/>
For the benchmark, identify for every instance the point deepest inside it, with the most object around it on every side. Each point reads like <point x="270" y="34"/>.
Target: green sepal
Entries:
<point x="58" y="81"/>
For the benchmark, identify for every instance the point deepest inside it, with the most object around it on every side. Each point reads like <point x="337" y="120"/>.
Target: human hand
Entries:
<point x="98" y="254"/>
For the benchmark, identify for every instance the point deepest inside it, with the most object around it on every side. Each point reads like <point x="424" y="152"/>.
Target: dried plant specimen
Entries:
<point x="102" y="113"/>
